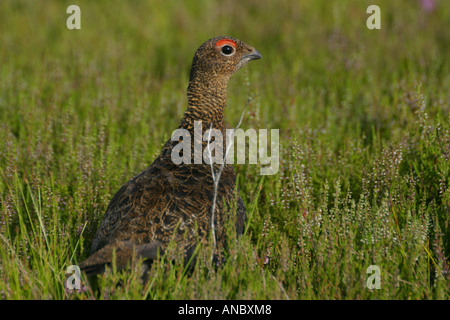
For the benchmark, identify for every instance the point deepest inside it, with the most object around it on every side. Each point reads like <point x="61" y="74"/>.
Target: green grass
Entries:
<point x="364" y="130"/>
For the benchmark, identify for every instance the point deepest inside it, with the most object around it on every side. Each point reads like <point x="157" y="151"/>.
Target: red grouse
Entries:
<point x="174" y="201"/>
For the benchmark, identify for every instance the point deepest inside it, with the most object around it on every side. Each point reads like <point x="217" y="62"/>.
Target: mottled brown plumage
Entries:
<point x="166" y="200"/>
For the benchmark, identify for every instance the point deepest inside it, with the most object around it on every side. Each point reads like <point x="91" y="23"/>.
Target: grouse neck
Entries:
<point x="206" y="103"/>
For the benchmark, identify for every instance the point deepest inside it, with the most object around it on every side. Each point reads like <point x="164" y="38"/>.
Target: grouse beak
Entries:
<point x="252" y="56"/>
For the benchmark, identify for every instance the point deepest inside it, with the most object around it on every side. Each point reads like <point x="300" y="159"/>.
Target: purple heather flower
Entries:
<point x="428" y="5"/>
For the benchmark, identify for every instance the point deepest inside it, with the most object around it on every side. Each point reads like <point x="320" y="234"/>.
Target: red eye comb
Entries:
<point x="223" y="42"/>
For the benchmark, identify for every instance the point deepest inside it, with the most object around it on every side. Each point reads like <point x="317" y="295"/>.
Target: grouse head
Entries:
<point x="220" y="57"/>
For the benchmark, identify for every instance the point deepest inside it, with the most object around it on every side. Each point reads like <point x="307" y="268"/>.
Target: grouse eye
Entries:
<point x="227" y="50"/>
